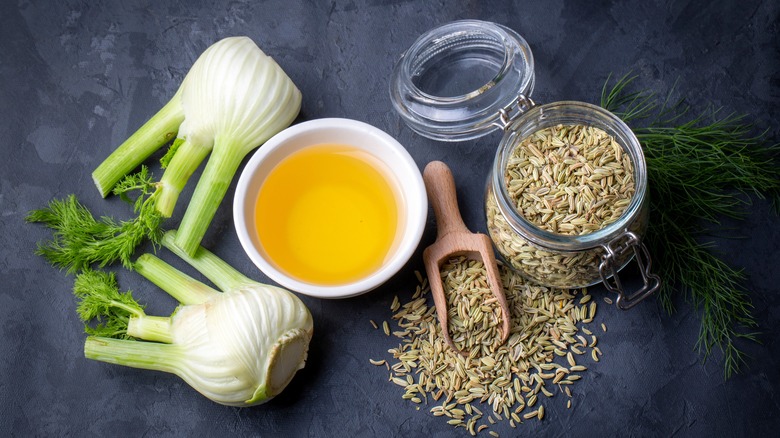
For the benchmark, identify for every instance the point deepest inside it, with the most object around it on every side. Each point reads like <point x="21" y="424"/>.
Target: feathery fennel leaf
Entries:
<point x="700" y="169"/>
<point x="104" y="310"/>
<point x="166" y="159"/>
<point x="79" y="240"/>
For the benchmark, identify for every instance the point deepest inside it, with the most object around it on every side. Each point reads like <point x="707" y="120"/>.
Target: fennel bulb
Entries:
<point x="240" y="347"/>
<point x="232" y="100"/>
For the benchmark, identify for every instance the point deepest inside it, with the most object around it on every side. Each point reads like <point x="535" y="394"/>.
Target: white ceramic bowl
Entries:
<point x="413" y="202"/>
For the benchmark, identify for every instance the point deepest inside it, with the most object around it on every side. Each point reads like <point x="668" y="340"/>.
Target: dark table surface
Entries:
<point x="77" y="77"/>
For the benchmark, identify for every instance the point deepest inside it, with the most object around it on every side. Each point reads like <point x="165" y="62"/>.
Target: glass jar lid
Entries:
<point x="456" y="81"/>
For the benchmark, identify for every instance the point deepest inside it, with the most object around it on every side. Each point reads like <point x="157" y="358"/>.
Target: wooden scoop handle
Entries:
<point x="440" y="186"/>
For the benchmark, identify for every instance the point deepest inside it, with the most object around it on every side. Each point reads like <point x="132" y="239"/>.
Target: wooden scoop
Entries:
<point x="453" y="239"/>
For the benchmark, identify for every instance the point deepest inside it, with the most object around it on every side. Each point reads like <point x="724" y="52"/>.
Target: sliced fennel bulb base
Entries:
<point x="287" y="357"/>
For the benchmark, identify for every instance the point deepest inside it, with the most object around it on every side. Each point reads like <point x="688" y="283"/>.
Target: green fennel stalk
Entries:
<point x="700" y="169"/>
<point x="151" y="136"/>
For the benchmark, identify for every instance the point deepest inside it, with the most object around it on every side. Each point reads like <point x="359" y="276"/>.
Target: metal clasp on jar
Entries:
<point x="511" y="112"/>
<point x="616" y="249"/>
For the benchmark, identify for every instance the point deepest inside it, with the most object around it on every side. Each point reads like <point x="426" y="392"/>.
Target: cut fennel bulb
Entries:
<point x="240" y="347"/>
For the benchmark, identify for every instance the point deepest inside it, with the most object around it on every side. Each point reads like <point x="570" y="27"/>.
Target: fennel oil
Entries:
<point x="328" y="214"/>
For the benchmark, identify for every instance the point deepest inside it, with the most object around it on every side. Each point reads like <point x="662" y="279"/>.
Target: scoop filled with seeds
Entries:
<point x="453" y="238"/>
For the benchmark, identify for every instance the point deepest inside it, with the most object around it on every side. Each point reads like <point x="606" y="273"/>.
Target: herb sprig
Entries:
<point x="700" y="170"/>
<point x="101" y="307"/>
<point x="80" y="240"/>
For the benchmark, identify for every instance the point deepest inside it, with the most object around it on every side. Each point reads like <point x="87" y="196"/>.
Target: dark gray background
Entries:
<point x="76" y="77"/>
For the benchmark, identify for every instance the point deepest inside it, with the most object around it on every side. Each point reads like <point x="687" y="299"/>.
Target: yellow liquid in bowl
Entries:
<point x="327" y="214"/>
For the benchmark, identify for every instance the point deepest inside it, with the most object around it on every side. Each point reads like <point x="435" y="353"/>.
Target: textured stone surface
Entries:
<point x="78" y="77"/>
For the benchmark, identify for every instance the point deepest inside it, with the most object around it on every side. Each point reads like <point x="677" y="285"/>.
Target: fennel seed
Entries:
<point x="503" y="378"/>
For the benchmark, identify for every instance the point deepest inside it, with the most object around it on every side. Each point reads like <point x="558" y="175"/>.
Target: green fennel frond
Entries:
<point x="700" y="169"/>
<point x="101" y="307"/>
<point x="79" y="240"/>
<point x="142" y="182"/>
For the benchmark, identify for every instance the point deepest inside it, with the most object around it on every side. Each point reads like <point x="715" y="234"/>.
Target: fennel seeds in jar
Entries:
<point x="570" y="179"/>
<point x="568" y="189"/>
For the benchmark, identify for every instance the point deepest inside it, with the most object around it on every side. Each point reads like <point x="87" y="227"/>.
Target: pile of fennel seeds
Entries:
<point x="548" y="343"/>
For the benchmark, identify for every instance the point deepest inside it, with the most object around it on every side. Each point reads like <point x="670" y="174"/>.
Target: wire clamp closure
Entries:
<point x="513" y="111"/>
<point x="616" y="250"/>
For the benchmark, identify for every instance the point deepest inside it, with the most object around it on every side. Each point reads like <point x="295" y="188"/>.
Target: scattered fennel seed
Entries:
<point x="498" y="379"/>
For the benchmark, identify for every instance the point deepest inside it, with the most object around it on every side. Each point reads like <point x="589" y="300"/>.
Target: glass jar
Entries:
<point x="571" y="260"/>
<point x="467" y="78"/>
